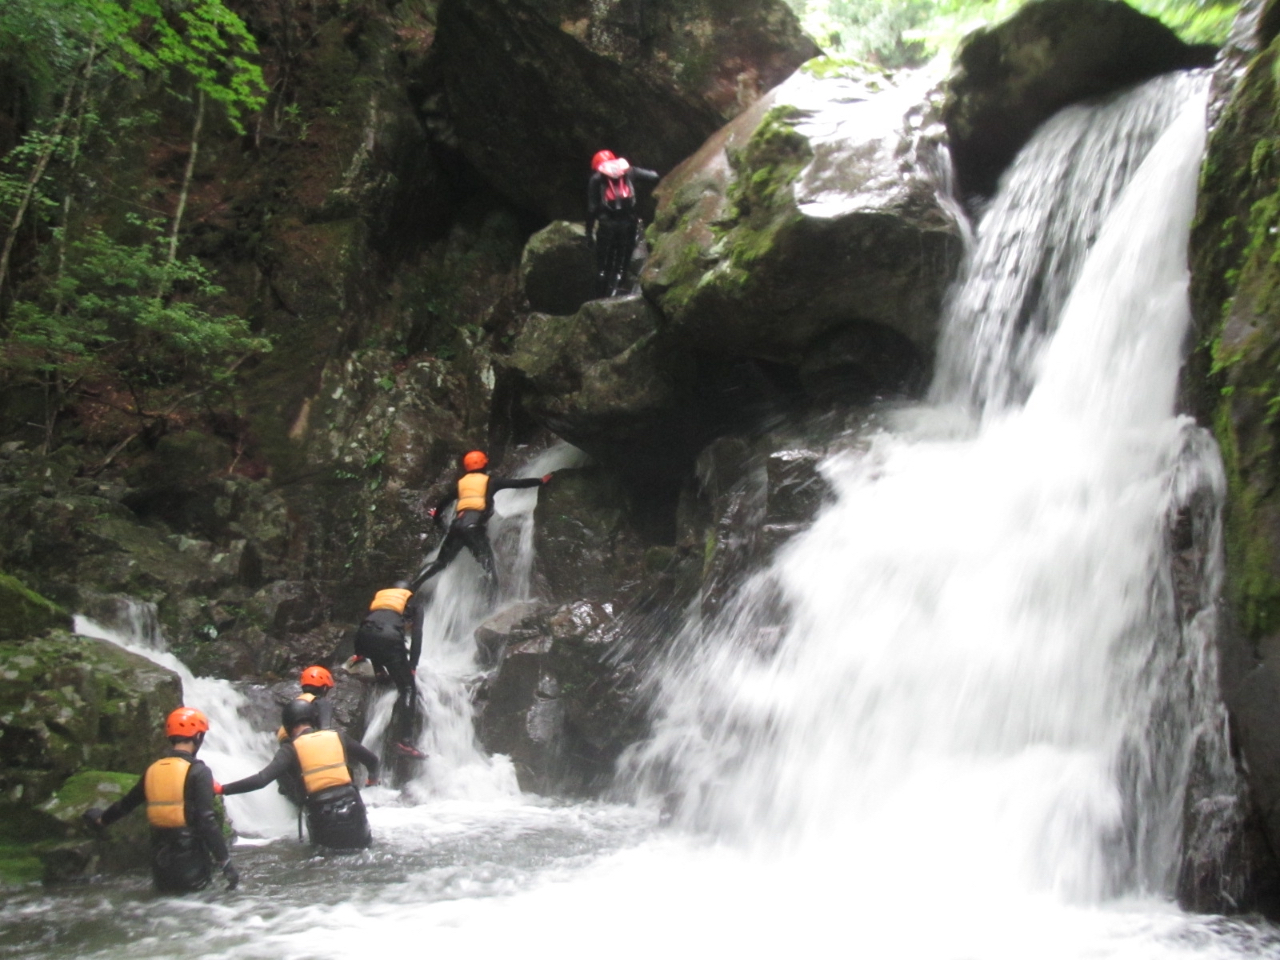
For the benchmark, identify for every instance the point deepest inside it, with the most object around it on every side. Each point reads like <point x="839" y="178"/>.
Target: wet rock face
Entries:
<point x="533" y="90"/>
<point x="70" y="704"/>
<point x="1010" y="78"/>
<point x="814" y="214"/>
<point x="557" y="704"/>
<point x="1234" y="284"/>
<point x="24" y="613"/>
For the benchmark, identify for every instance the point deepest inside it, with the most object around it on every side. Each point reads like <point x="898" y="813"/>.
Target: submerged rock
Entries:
<point x="1010" y="78"/>
<point x="816" y="213"/>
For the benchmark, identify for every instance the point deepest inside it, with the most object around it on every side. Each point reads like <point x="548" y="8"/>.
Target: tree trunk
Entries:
<point x="186" y="184"/>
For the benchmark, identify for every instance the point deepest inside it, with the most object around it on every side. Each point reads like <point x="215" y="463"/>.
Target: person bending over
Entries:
<point x="380" y="639"/>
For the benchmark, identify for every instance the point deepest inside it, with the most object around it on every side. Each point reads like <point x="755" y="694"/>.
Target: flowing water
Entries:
<point x="971" y="737"/>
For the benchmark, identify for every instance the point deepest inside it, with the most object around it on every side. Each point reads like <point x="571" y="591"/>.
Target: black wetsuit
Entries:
<point x="380" y="638"/>
<point x="182" y="858"/>
<point x="616" y="232"/>
<point x="470" y="529"/>
<point x="336" y="816"/>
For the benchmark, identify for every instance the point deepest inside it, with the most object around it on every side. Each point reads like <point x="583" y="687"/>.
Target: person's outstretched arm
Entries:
<point x="122" y="807"/>
<point x="278" y="766"/>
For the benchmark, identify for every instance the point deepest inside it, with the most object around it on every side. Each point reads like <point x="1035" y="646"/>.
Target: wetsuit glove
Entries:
<point x="547" y="478"/>
<point x="232" y="874"/>
<point x="217" y="788"/>
<point x="93" y="818"/>
<point x="371" y="781"/>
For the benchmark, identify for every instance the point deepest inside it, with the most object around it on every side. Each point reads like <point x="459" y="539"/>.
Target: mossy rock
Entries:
<point x="69" y="702"/>
<point x="25" y="614"/>
<point x="814" y="210"/>
<point x="82" y="851"/>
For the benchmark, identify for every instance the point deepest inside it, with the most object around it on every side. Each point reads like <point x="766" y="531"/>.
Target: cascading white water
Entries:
<point x="968" y="743"/>
<point x="234" y="747"/>
<point x="976" y="648"/>
<point x="458" y="767"/>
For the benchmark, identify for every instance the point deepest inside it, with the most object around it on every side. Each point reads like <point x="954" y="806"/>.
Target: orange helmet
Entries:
<point x="474" y="460"/>
<point x="602" y="157"/>
<point x="186" y="722"/>
<point x="316" y="677"/>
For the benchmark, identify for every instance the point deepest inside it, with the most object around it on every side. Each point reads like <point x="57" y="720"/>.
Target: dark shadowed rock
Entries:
<point x="815" y="213"/>
<point x="25" y="614"/>
<point x="534" y="90"/>
<point x="557" y="269"/>
<point x="1010" y="78"/>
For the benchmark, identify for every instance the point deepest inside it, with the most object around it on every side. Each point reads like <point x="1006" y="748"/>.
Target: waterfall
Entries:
<point x="233" y="747"/>
<point x="458" y="766"/>
<point x="983" y="687"/>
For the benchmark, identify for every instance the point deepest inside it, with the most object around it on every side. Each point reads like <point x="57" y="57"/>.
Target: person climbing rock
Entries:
<point x="612" y="222"/>
<point x="316" y="682"/>
<point x="178" y="789"/>
<point x="380" y="639"/>
<point x="318" y="761"/>
<point x="474" y="496"/>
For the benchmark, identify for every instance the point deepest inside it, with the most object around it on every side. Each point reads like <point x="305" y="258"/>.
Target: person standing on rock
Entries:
<point x="470" y="527"/>
<point x="380" y="639"/>
<point x="178" y="789"/>
<point x="318" y="763"/>
<point x="612" y="222"/>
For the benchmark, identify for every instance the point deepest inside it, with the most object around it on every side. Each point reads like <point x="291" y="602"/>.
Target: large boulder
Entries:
<point x="557" y="269"/>
<point x="1010" y="78"/>
<point x="815" y="215"/>
<point x="559" y="703"/>
<point x="533" y="90"/>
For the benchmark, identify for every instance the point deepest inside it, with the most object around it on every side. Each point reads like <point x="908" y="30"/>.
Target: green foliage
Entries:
<point x="120" y="308"/>
<point x="201" y="38"/>
<point x="900" y="33"/>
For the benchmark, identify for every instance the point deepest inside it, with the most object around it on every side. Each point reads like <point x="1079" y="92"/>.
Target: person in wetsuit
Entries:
<point x="474" y="496"/>
<point x="318" y="761"/>
<point x="380" y="639"/>
<point x="316" y="682"/>
<point x="612" y="222"/>
<point x="178" y="789"/>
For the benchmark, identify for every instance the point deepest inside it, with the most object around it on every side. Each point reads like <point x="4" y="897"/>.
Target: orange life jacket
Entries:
<point x="282" y="734"/>
<point x="473" y="490"/>
<point x="323" y="761"/>
<point x="390" y="599"/>
<point x="165" y="783"/>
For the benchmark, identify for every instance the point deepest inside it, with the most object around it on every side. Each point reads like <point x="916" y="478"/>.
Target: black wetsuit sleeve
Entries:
<point x="198" y="795"/>
<point x="413" y="615"/>
<point x="326" y="712"/>
<point x="358" y="752"/>
<point x="126" y="804"/>
<point x="649" y="176"/>
<point x="278" y="766"/>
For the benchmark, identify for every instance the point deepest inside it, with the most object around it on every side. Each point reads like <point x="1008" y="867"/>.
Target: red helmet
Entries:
<point x="602" y="156"/>
<point x="316" y="677"/>
<point x="186" y="722"/>
<point x="474" y="460"/>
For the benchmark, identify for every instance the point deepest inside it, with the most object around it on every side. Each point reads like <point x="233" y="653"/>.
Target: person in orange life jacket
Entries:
<point x="474" y="494"/>
<point x="316" y="681"/>
<point x="178" y="789"/>
<point x="611" y="203"/>
<point x="318" y="763"/>
<point x="380" y="638"/>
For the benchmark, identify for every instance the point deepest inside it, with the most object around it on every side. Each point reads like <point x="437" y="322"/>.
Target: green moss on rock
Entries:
<point x="24" y="613"/>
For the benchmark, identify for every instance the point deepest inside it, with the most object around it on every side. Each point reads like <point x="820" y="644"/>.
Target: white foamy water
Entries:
<point x="233" y="747"/>
<point x="970" y="743"/>
<point x="458" y="767"/>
